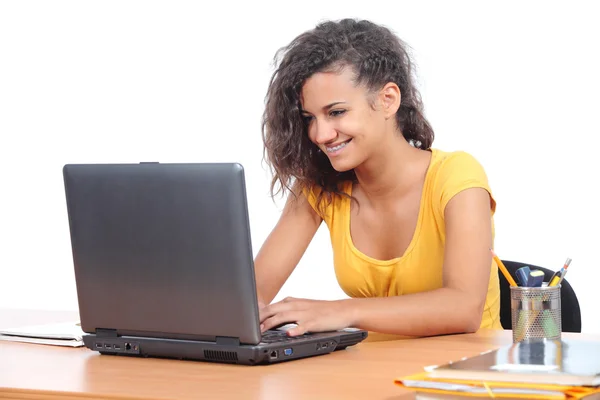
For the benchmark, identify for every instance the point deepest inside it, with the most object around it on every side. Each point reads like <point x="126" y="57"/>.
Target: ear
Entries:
<point x="390" y="97"/>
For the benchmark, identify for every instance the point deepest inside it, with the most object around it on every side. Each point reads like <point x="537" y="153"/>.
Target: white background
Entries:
<point x="514" y="83"/>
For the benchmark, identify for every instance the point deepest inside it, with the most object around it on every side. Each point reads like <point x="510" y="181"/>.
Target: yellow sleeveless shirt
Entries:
<point x="420" y="268"/>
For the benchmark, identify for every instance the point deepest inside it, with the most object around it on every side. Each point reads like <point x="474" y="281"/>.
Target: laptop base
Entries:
<point x="263" y="353"/>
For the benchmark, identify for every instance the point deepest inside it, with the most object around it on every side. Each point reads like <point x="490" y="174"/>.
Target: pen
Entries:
<point x="559" y="275"/>
<point x="502" y="267"/>
<point x="565" y="272"/>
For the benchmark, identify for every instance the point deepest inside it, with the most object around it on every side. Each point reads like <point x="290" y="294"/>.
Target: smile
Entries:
<point x="338" y="147"/>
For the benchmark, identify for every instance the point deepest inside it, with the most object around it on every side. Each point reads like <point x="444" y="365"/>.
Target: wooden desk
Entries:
<point x="29" y="371"/>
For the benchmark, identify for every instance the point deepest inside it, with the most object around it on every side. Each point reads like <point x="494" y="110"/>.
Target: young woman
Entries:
<point x="411" y="226"/>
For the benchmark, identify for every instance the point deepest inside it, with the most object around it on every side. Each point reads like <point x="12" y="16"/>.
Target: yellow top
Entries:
<point x="420" y="268"/>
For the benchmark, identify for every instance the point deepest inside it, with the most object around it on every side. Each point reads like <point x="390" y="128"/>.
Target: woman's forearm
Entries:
<point x="437" y="312"/>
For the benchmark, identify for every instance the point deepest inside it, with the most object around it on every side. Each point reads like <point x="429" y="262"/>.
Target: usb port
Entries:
<point x="117" y="347"/>
<point x="288" y="352"/>
<point x="107" y="346"/>
<point x="98" y="345"/>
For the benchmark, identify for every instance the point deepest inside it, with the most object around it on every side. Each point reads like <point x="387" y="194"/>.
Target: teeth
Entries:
<point x="336" y="148"/>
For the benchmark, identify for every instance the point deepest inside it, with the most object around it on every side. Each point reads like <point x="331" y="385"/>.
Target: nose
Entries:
<point x="323" y="132"/>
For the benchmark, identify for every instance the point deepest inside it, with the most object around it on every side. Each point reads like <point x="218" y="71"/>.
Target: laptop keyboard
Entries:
<point x="280" y="336"/>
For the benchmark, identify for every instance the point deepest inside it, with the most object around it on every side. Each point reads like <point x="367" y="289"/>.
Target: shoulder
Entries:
<point x="325" y="203"/>
<point x="312" y="194"/>
<point x="453" y="172"/>
<point x="456" y="162"/>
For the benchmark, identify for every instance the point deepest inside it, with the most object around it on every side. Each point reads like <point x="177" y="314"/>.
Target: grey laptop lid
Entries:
<point x="163" y="250"/>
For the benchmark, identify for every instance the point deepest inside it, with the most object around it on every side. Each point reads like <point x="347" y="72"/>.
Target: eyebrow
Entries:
<point x="328" y="106"/>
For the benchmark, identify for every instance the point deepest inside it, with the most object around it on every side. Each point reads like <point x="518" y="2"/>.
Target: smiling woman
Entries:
<point x="411" y="226"/>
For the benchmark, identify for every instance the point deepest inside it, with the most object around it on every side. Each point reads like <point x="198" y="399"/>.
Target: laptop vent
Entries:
<point x="218" y="355"/>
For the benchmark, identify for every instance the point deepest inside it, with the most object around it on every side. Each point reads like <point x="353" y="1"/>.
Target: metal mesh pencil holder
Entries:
<point x="536" y="312"/>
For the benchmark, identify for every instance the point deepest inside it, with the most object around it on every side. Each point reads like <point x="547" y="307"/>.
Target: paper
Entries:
<point x="62" y="334"/>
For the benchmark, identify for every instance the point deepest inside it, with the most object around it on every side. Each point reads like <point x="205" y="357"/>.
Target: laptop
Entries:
<point x="164" y="266"/>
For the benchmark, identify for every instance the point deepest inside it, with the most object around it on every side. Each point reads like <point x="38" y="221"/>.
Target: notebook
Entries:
<point x="61" y="334"/>
<point x="164" y="266"/>
<point x="537" y="368"/>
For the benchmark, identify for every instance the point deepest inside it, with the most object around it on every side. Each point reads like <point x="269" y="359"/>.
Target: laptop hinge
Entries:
<point x="101" y="332"/>
<point x="228" y="341"/>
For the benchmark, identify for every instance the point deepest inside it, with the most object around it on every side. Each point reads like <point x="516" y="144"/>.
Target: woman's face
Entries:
<point x="340" y="119"/>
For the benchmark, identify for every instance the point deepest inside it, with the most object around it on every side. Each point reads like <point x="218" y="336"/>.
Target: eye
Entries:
<point x="336" y="113"/>
<point x="307" y="119"/>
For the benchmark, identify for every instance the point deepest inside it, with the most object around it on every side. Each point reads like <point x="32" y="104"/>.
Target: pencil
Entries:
<point x="502" y="267"/>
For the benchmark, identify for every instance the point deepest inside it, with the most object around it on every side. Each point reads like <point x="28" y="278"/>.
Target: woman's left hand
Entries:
<point x="309" y="315"/>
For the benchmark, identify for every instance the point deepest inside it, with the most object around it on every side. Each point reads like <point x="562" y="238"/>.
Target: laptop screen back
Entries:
<point x="163" y="250"/>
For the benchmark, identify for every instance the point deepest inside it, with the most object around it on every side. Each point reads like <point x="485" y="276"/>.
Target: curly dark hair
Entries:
<point x="376" y="55"/>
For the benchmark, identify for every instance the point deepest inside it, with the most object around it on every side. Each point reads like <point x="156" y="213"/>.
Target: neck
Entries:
<point x="393" y="172"/>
